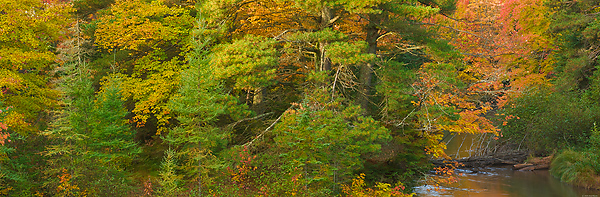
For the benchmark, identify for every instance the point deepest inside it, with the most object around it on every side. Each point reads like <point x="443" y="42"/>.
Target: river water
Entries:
<point x="500" y="181"/>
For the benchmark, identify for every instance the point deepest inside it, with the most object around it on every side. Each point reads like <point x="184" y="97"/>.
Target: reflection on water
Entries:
<point x="490" y="182"/>
<point x="499" y="181"/>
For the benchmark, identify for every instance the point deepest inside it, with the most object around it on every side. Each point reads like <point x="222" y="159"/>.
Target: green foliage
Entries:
<point x="545" y="121"/>
<point x="325" y="35"/>
<point x="168" y="179"/>
<point x="20" y="175"/>
<point x="245" y="64"/>
<point x="412" y="11"/>
<point x="91" y="143"/>
<point x="594" y="140"/>
<point x="111" y="136"/>
<point x="576" y="31"/>
<point x="593" y="148"/>
<point x="345" y="53"/>
<point x="68" y="131"/>
<point x="199" y="104"/>
<point x="395" y="89"/>
<point x="576" y="168"/>
<point x="325" y="140"/>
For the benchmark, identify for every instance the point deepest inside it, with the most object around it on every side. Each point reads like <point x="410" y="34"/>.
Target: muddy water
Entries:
<point x="500" y="181"/>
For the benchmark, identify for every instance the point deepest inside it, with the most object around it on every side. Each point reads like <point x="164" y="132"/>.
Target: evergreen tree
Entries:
<point x="325" y="140"/>
<point x="111" y="136"/>
<point x="90" y="143"/>
<point x="199" y="103"/>
<point x="69" y="131"/>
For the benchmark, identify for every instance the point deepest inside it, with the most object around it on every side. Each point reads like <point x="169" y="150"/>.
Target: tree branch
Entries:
<point x="232" y="125"/>
<point x="268" y="128"/>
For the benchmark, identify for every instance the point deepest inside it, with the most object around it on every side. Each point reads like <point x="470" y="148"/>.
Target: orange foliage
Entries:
<point x="504" y="53"/>
<point x="66" y="188"/>
<point x="503" y="44"/>
<point x="267" y="18"/>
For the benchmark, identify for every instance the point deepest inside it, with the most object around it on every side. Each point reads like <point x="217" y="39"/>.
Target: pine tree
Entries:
<point x="111" y="136"/>
<point x="90" y="142"/>
<point x="198" y="104"/>
<point x="169" y="180"/>
<point x="66" y="151"/>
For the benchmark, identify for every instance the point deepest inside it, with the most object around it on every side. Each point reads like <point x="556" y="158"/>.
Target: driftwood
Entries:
<point x="521" y="166"/>
<point x="516" y="159"/>
<point x="537" y="163"/>
<point x="507" y="158"/>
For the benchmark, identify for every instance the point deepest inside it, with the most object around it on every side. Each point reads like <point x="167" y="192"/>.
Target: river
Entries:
<point x="500" y="181"/>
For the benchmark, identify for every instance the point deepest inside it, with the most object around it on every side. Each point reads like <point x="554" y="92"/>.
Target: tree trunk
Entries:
<point x="366" y="70"/>
<point x="257" y="101"/>
<point x="325" y="63"/>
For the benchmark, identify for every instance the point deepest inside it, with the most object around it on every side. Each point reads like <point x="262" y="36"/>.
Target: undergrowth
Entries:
<point x="581" y="168"/>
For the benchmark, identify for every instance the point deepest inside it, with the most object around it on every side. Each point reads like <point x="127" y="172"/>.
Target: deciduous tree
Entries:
<point x="28" y="36"/>
<point x="155" y="38"/>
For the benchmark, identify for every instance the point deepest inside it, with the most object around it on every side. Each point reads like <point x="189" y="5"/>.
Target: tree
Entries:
<point x="30" y="30"/>
<point x="90" y="145"/>
<point x="111" y="136"/>
<point x="245" y="65"/>
<point x="349" y="41"/>
<point x="325" y="142"/>
<point x="505" y="50"/>
<point x="151" y="34"/>
<point x="571" y="96"/>
<point x="67" y="147"/>
<point x="201" y="101"/>
<point x="574" y="26"/>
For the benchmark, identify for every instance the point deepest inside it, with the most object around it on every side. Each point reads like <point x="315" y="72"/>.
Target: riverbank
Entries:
<point x="577" y="168"/>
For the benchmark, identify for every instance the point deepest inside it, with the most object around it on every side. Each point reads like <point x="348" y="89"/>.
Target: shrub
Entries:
<point x="545" y="122"/>
<point x="575" y="168"/>
<point x="357" y="189"/>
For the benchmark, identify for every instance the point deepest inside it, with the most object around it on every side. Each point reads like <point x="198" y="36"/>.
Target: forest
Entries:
<point x="287" y="97"/>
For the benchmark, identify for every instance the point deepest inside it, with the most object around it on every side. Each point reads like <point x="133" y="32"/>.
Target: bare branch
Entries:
<point x="454" y="29"/>
<point x="334" y="82"/>
<point x="232" y="125"/>
<point x="268" y="128"/>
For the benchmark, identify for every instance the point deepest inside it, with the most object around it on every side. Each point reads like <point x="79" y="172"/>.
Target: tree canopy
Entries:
<point x="281" y="97"/>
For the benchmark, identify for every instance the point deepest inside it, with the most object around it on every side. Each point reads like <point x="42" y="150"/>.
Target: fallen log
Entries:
<point x="507" y="158"/>
<point x="537" y="163"/>
<point x="521" y="166"/>
<point x="535" y="167"/>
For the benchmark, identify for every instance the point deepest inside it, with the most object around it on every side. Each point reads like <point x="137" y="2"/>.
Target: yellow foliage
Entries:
<point x="156" y="36"/>
<point x="28" y="29"/>
<point x="357" y="189"/>
<point x="132" y="25"/>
